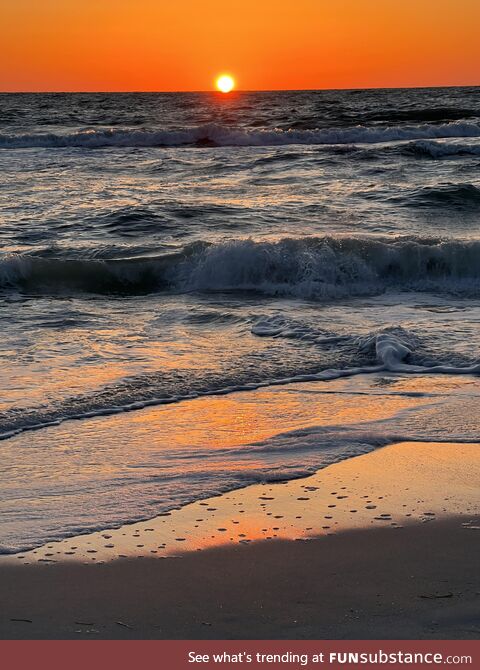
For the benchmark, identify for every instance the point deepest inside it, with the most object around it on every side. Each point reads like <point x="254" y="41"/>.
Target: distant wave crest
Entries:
<point x="441" y="149"/>
<point x="216" y="135"/>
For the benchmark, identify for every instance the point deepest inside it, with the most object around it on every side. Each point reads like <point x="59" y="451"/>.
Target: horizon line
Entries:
<point x="271" y="90"/>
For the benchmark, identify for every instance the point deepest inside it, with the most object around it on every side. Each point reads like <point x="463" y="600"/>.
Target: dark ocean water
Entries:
<point x="159" y="247"/>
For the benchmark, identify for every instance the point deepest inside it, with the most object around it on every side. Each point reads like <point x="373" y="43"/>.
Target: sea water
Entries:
<point x="172" y="249"/>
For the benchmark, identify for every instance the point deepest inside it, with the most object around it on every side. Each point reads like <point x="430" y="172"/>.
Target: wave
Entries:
<point x="457" y="196"/>
<point x="426" y="114"/>
<point x="131" y="221"/>
<point x="441" y="149"/>
<point x="318" y="268"/>
<point x="140" y="221"/>
<point x="217" y="135"/>
<point x="64" y="275"/>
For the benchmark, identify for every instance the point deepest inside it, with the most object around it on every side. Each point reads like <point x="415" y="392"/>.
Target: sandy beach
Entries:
<point x="384" y="545"/>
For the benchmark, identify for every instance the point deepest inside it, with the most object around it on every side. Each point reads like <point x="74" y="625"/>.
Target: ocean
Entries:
<point x="188" y="281"/>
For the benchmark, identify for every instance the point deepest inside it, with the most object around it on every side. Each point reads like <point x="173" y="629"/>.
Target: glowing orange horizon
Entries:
<point x="92" y="45"/>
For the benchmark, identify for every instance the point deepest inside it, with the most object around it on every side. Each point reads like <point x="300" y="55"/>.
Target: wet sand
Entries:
<point x="384" y="545"/>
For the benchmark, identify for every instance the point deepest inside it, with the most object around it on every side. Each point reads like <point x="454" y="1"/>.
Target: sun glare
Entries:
<point x="225" y="83"/>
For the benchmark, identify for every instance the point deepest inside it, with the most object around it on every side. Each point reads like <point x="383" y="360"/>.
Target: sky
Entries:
<point x="172" y="45"/>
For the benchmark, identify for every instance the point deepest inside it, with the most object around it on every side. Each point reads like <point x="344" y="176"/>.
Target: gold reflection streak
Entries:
<point x="229" y="421"/>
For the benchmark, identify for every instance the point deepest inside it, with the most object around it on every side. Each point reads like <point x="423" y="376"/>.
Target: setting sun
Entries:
<point x="225" y="83"/>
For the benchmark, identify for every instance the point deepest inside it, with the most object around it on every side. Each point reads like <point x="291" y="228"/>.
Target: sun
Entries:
<point x="225" y="83"/>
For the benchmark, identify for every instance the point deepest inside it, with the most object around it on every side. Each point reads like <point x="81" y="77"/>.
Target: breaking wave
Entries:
<point x="319" y="268"/>
<point x="217" y="135"/>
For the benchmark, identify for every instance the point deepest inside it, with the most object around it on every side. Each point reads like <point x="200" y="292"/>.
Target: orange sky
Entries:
<point x="102" y="45"/>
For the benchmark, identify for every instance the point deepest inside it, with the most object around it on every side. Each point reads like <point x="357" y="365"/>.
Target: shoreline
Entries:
<point x="396" y="559"/>
<point x="390" y="486"/>
<point x="271" y="434"/>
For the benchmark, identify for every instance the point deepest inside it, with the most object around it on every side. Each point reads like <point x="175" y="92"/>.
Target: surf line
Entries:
<point x="389" y="349"/>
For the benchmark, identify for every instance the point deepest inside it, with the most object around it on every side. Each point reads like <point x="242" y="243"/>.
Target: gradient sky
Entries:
<point x="122" y="45"/>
